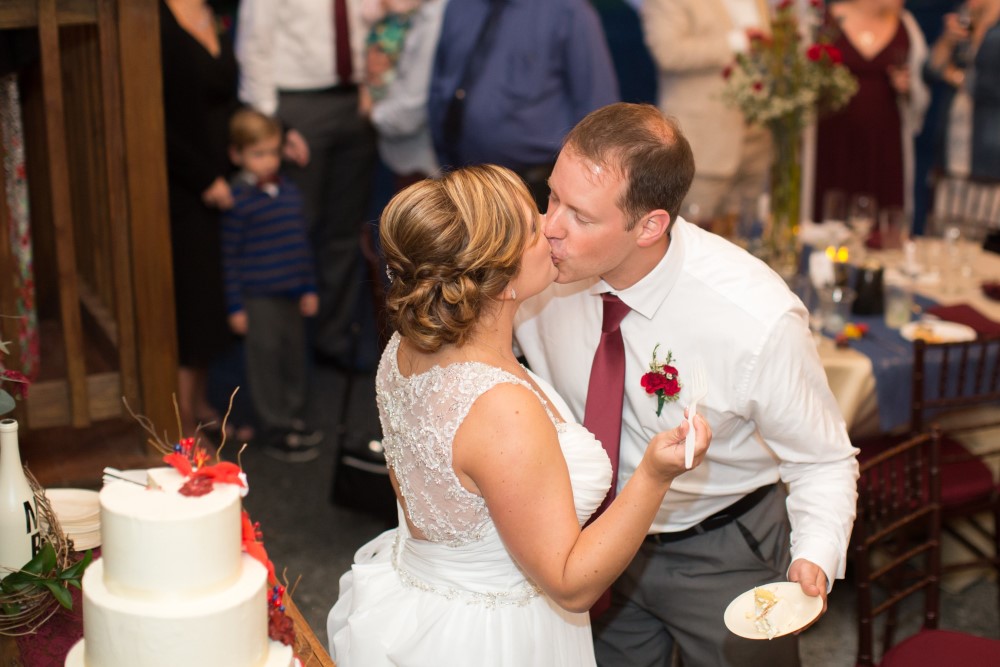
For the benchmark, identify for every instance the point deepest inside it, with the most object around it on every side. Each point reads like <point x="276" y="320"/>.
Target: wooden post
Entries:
<point x="62" y="217"/>
<point x="148" y="204"/>
<point x="118" y="218"/>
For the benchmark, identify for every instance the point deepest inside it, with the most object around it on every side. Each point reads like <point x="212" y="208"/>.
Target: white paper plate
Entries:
<point x="74" y="505"/>
<point x="793" y="611"/>
<point x="80" y="526"/>
<point x="84" y="541"/>
<point x="937" y="331"/>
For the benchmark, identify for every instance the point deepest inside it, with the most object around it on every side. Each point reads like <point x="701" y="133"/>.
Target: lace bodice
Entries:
<point x="420" y="415"/>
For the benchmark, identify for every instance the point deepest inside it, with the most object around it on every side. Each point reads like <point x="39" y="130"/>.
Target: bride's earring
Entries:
<point x="513" y="294"/>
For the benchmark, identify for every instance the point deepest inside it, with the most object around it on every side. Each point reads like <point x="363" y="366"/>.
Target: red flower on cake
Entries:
<point x="280" y="628"/>
<point x="662" y="380"/>
<point x="179" y="462"/>
<point x="189" y="459"/>
<point x="254" y="548"/>
<point x="224" y="473"/>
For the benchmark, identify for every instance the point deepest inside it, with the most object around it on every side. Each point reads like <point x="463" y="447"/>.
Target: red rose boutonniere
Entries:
<point x="662" y="380"/>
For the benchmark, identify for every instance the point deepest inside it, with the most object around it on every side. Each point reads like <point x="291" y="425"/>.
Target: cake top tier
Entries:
<point x="158" y="542"/>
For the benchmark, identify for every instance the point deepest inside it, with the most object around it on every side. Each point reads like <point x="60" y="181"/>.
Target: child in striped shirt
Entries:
<point x="270" y="284"/>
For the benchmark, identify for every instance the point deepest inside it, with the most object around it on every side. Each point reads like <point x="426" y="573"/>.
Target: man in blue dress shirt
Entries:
<point x="511" y="77"/>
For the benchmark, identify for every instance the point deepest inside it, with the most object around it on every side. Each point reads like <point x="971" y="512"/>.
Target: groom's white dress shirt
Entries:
<point x="772" y="414"/>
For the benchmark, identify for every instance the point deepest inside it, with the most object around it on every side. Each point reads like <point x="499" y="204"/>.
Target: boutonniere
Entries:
<point x="662" y="380"/>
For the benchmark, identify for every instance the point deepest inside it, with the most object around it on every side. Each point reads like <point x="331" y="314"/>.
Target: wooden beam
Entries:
<point x="62" y="216"/>
<point x="148" y="208"/>
<point x="24" y="13"/>
<point x="118" y="220"/>
<point x="50" y="403"/>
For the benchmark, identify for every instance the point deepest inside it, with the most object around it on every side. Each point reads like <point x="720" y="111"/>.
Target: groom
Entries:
<point x="692" y="298"/>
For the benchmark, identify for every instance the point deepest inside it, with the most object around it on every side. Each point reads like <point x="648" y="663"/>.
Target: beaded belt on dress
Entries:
<point x="518" y="597"/>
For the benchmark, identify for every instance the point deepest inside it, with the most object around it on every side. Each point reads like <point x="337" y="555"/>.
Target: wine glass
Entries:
<point x="894" y="228"/>
<point x="861" y="216"/>
<point x="834" y="206"/>
<point x="803" y="288"/>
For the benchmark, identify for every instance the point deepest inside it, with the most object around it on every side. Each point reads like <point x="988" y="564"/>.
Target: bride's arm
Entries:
<point x="507" y="450"/>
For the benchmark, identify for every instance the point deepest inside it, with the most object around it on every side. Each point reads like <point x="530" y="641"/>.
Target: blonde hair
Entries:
<point x="451" y="247"/>
<point x="247" y="127"/>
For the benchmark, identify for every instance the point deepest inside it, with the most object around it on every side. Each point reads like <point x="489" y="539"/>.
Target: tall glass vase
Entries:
<point x="786" y="196"/>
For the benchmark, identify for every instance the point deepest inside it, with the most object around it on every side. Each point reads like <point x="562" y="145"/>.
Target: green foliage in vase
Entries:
<point x="789" y="74"/>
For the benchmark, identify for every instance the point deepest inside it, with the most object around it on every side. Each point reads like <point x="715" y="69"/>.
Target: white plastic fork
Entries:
<point x="698" y="386"/>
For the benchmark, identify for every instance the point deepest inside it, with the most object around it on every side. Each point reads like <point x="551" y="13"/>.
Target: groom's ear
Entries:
<point x="653" y="227"/>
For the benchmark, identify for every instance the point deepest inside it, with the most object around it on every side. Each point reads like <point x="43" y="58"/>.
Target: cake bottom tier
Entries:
<point x="227" y="627"/>
<point x="278" y="655"/>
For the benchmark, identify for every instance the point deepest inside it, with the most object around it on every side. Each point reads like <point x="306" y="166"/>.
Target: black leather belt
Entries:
<point x="718" y="520"/>
<point x="329" y="90"/>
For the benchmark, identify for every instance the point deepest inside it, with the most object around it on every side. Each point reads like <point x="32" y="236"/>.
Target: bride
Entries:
<point x="489" y="564"/>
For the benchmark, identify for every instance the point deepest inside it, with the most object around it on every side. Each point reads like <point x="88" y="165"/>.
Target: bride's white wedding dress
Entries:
<point x="456" y="598"/>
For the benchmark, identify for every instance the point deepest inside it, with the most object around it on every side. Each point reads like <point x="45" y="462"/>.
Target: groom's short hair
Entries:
<point x="646" y="148"/>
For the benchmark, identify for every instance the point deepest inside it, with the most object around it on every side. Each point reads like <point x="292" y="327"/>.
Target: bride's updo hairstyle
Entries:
<point x="451" y="247"/>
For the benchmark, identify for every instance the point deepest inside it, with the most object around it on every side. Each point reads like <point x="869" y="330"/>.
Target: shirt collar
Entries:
<point x="652" y="290"/>
<point x="270" y="188"/>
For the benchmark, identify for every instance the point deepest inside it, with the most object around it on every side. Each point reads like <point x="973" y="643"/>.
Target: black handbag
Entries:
<point x="361" y="478"/>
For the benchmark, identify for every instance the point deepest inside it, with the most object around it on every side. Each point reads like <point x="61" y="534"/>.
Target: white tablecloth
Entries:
<point x="850" y="372"/>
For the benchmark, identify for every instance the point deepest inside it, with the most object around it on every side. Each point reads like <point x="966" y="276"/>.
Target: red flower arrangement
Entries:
<point x="789" y="75"/>
<point x="662" y="380"/>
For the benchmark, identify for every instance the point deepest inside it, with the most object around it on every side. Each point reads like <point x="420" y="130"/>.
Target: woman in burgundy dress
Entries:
<point x="867" y="147"/>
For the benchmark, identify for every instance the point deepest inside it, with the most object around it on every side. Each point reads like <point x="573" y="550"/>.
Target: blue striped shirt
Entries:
<point x="265" y="249"/>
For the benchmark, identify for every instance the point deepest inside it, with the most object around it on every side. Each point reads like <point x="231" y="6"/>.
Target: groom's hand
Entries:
<point x="812" y="579"/>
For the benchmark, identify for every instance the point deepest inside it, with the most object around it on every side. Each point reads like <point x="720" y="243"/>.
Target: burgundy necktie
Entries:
<point x="605" y="397"/>
<point x="606" y="391"/>
<point x="342" y="42"/>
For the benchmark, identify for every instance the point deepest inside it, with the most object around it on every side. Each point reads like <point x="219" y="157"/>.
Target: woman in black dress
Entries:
<point x="199" y="95"/>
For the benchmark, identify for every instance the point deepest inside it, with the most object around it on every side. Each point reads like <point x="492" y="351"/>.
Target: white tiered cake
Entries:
<point x="172" y="587"/>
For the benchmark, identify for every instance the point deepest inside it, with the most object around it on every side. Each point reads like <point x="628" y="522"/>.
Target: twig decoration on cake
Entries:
<point x="158" y="443"/>
<point x="225" y="418"/>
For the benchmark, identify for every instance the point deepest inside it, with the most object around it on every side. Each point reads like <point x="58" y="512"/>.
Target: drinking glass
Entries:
<point x="893" y="228"/>
<point x="834" y="206"/>
<point x="835" y="307"/>
<point x="805" y="290"/>
<point x="861" y="216"/>
<point x="898" y="303"/>
<point x="692" y="212"/>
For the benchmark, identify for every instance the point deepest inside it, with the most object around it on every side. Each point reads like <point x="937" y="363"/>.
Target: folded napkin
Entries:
<point x="821" y="235"/>
<point x="965" y="314"/>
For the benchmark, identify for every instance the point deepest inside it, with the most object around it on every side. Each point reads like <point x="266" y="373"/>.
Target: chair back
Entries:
<point x="948" y="377"/>
<point x="972" y="204"/>
<point x="897" y="538"/>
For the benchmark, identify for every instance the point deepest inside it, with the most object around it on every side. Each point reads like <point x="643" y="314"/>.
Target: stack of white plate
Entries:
<point x="79" y="514"/>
